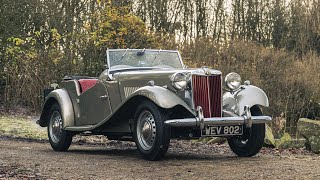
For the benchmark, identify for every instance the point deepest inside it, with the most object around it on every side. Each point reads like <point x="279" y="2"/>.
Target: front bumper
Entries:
<point x="228" y="119"/>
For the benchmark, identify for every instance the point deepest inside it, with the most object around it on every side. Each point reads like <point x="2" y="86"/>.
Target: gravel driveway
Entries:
<point x="120" y="160"/>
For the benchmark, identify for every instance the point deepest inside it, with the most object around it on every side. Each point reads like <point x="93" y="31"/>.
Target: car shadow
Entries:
<point x="210" y="157"/>
<point x="171" y="155"/>
<point x="111" y="152"/>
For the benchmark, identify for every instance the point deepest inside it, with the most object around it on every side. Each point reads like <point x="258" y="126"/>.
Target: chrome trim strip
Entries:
<point x="216" y="121"/>
<point x="78" y="128"/>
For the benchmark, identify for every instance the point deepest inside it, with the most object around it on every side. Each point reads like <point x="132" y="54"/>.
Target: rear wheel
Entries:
<point x="152" y="137"/>
<point x="59" y="139"/>
<point x="252" y="139"/>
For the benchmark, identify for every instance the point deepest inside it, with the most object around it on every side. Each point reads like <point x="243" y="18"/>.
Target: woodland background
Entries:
<point x="273" y="43"/>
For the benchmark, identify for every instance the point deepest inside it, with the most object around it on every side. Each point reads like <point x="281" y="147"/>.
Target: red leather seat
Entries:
<point x="86" y="84"/>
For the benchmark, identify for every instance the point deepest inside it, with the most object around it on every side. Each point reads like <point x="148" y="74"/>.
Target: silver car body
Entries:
<point x="108" y="106"/>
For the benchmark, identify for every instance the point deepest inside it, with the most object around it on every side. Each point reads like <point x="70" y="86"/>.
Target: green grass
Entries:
<point x="21" y="127"/>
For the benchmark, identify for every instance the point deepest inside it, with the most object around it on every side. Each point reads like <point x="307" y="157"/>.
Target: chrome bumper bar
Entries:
<point x="202" y="122"/>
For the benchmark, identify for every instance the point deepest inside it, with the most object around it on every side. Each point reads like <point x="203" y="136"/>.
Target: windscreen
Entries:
<point x="127" y="58"/>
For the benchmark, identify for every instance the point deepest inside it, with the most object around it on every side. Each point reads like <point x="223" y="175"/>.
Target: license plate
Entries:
<point x="222" y="130"/>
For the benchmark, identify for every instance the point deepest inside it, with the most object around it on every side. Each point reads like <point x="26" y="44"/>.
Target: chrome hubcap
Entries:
<point x="146" y="130"/>
<point x="55" y="127"/>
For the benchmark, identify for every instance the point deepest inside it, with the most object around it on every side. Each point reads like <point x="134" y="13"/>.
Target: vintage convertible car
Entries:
<point x="149" y="96"/>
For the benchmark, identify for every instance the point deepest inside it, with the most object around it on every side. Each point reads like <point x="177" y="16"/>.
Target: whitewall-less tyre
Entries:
<point x="152" y="137"/>
<point x="59" y="139"/>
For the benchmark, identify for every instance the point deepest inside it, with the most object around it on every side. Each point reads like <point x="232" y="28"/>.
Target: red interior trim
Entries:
<point x="86" y="84"/>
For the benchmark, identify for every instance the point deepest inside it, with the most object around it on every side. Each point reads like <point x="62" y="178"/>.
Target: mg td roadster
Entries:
<point x="150" y="97"/>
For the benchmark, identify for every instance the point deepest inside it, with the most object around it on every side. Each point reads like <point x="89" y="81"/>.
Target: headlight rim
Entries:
<point x="178" y="87"/>
<point x="228" y="84"/>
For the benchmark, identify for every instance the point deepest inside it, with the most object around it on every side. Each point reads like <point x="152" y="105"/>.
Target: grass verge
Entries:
<point x="23" y="127"/>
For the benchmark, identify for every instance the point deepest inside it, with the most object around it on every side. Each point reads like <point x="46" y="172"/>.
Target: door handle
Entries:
<point x="103" y="97"/>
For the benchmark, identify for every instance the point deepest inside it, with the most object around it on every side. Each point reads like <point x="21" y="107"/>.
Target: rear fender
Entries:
<point x="248" y="95"/>
<point x="62" y="97"/>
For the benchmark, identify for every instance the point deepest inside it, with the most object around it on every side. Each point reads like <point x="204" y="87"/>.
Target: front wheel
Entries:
<point x="59" y="139"/>
<point x="250" y="143"/>
<point x="152" y="137"/>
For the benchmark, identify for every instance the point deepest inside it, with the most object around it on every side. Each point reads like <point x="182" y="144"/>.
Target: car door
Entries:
<point x="94" y="105"/>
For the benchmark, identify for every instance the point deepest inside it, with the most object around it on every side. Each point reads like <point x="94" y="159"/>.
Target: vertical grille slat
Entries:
<point x="215" y="90"/>
<point x="207" y="94"/>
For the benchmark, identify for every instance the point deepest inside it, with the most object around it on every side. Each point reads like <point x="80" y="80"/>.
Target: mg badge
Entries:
<point x="206" y="70"/>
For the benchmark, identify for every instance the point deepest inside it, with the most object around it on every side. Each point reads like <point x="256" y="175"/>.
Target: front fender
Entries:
<point x="248" y="95"/>
<point x="62" y="97"/>
<point x="161" y="96"/>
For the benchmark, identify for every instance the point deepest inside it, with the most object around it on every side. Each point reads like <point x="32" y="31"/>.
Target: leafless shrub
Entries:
<point x="291" y="83"/>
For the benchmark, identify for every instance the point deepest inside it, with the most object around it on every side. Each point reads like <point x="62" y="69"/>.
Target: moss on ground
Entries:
<point x="21" y="127"/>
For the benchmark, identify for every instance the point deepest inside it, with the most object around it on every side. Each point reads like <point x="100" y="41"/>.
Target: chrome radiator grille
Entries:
<point x="207" y="93"/>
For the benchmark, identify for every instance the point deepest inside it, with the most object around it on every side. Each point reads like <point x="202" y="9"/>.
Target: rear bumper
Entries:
<point x="229" y="119"/>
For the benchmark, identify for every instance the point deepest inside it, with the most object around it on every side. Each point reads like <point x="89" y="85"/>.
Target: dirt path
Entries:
<point x="118" y="160"/>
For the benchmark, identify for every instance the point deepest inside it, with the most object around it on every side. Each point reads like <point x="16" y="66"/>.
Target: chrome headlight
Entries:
<point x="179" y="81"/>
<point x="233" y="81"/>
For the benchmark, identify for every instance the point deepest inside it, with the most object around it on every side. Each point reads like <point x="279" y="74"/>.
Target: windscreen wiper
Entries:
<point x="156" y="56"/>
<point x="123" y="55"/>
